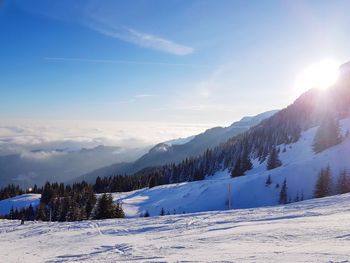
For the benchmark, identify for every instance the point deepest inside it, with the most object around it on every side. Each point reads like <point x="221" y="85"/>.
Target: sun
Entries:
<point x="319" y="75"/>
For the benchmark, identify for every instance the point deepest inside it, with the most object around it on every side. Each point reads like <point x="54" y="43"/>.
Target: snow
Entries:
<point x="203" y="230"/>
<point x="300" y="168"/>
<point x="179" y="141"/>
<point x="309" y="231"/>
<point x="19" y="202"/>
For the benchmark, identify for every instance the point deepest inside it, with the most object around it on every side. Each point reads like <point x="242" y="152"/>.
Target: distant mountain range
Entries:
<point x="177" y="150"/>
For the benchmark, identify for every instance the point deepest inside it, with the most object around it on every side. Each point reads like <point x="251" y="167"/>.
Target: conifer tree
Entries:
<point x="343" y="184"/>
<point x="162" y="212"/>
<point x="237" y="170"/>
<point x="273" y="161"/>
<point x="119" y="211"/>
<point x="246" y="162"/>
<point x="242" y="165"/>
<point x="327" y="135"/>
<point x="283" y="193"/>
<point x="323" y="185"/>
<point x="41" y="214"/>
<point x="297" y="198"/>
<point x="30" y="213"/>
<point x="152" y="182"/>
<point x="12" y="213"/>
<point x="105" y="208"/>
<point x="268" y="181"/>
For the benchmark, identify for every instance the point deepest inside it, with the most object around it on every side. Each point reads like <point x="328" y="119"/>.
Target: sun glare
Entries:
<point x="319" y="75"/>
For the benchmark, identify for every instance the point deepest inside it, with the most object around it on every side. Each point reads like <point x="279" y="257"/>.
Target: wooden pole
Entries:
<point x="229" y="197"/>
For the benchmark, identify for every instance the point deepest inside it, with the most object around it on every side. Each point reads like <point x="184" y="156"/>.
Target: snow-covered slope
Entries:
<point x="309" y="231"/>
<point x="21" y="201"/>
<point x="300" y="168"/>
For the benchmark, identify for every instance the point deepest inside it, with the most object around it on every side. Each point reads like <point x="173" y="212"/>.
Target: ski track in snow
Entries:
<point x="308" y="231"/>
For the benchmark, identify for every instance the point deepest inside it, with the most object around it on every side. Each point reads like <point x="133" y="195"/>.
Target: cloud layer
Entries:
<point x="26" y="136"/>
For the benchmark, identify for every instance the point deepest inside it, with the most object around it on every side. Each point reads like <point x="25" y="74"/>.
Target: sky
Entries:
<point x="160" y="64"/>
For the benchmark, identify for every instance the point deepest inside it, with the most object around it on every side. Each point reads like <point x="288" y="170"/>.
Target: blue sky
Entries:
<point x="160" y="61"/>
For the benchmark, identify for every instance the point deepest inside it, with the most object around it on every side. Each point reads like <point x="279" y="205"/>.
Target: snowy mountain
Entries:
<point x="300" y="170"/>
<point x="290" y="133"/>
<point x="244" y="163"/>
<point x="309" y="231"/>
<point x="179" y="141"/>
<point x="179" y="149"/>
<point x="19" y="202"/>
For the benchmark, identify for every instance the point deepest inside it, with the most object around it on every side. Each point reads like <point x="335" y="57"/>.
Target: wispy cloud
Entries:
<point x="95" y="16"/>
<point x="117" y="61"/>
<point x="141" y="39"/>
<point x="136" y="97"/>
<point x="219" y="80"/>
<point x="145" y="95"/>
<point x="40" y="155"/>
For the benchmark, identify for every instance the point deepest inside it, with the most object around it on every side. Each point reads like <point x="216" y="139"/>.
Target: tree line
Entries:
<point x="61" y="203"/>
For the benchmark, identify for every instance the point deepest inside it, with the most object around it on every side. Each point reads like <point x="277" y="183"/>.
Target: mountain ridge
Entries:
<point x="163" y="153"/>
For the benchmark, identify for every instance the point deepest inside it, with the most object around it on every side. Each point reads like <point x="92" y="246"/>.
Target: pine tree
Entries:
<point x="327" y="135"/>
<point x="283" y="193"/>
<point x="74" y="212"/>
<point x="246" y="162"/>
<point x="146" y="214"/>
<point x="268" y="181"/>
<point x="237" y="170"/>
<point x="30" y="213"/>
<point x="152" y="182"/>
<point x="12" y="213"/>
<point x="297" y="198"/>
<point x="162" y="212"/>
<point x="343" y="184"/>
<point x="41" y="214"/>
<point x="119" y="211"/>
<point x="105" y="208"/>
<point x="90" y="205"/>
<point x="323" y="185"/>
<point x="273" y="161"/>
<point x="242" y="165"/>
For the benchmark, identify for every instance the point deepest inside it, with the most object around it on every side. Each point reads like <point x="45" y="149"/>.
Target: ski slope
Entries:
<point x="300" y="168"/>
<point x="21" y="201"/>
<point x="310" y="231"/>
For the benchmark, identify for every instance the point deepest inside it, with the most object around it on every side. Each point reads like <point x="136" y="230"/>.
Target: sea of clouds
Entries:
<point x="40" y="139"/>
